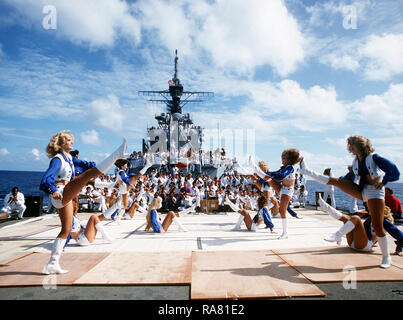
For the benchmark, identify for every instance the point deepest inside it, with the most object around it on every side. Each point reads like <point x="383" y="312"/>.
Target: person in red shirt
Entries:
<point x="393" y="203"/>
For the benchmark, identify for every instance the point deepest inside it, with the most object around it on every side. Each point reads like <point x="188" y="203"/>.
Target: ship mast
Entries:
<point x="175" y="98"/>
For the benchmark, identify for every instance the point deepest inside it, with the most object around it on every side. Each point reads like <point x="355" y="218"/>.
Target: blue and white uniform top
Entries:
<point x="122" y="176"/>
<point x="377" y="168"/>
<point x="156" y="221"/>
<point x="286" y="172"/>
<point x="61" y="168"/>
<point x="76" y="225"/>
<point x="263" y="214"/>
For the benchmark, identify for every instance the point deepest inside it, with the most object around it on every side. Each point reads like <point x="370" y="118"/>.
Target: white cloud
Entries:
<point x="245" y="34"/>
<point x="330" y="13"/>
<point x="90" y="137"/>
<point x="96" y="23"/>
<point x="36" y="153"/>
<point x="384" y="54"/>
<point x="4" y="152"/>
<point x="314" y="109"/>
<point x="382" y="112"/>
<point x="168" y="19"/>
<point x="375" y="57"/>
<point x="107" y="112"/>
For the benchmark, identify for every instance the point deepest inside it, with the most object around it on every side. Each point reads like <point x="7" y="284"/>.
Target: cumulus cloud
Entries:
<point x="237" y="35"/>
<point x="107" y="112"/>
<point x="384" y="56"/>
<point x="312" y="109"/>
<point x="242" y="35"/>
<point x="36" y="153"/>
<point x="376" y="57"/>
<point x="90" y="137"/>
<point x="95" y="23"/>
<point x="382" y="112"/>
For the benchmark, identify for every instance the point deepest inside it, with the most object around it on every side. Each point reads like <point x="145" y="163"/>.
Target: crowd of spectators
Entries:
<point x="180" y="189"/>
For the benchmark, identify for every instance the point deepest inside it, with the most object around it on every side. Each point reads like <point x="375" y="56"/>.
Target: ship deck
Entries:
<point x="210" y="261"/>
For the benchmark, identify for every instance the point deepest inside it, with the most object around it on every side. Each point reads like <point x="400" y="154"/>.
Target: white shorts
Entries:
<point x="57" y="203"/>
<point x="82" y="240"/>
<point x="367" y="248"/>
<point x="369" y="192"/>
<point x="123" y="188"/>
<point x="287" y="191"/>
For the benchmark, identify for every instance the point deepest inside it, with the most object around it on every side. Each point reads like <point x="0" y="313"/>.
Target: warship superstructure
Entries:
<point x="175" y="141"/>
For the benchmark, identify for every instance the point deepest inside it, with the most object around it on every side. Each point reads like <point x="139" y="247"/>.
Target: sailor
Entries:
<point x="14" y="202"/>
<point x="329" y="190"/>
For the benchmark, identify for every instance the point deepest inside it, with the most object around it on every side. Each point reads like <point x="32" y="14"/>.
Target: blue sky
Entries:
<point x="301" y="74"/>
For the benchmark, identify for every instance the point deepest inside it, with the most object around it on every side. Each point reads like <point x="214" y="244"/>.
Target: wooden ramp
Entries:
<point x="246" y="274"/>
<point x="27" y="271"/>
<point x="141" y="268"/>
<point x="333" y="264"/>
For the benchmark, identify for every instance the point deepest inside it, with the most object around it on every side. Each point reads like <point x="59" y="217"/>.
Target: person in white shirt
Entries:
<point x="302" y="196"/>
<point x="14" y="201"/>
<point x="329" y="189"/>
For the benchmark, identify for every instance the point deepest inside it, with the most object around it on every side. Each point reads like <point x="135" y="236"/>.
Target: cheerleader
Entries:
<point x="262" y="216"/>
<point x="366" y="182"/>
<point x="155" y="222"/>
<point x="360" y="236"/>
<point x="84" y="236"/>
<point x="125" y="183"/>
<point x="59" y="183"/>
<point x="282" y="181"/>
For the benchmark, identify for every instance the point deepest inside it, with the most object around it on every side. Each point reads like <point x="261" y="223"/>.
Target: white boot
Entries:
<point x="336" y="237"/>
<point x="231" y="204"/>
<point x="329" y="209"/>
<point x="120" y="215"/>
<point x="238" y="224"/>
<point x="117" y="205"/>
<point x="105" y="235"/>
<point x="384" y="246"/>
<point x="53" y="264"/>
<point x="316" y="176"/>
<point x="146" y="167"/>
<point x="284" y="235"/>
<point x="142" y="210"/>
<point x="188" y="210"/>
<point x="119" y="153"/>
<point x="179" y="225"/>
<point x="127" y="216"/>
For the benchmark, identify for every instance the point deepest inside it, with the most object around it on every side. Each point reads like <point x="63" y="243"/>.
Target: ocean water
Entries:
<point x="28" y="183"/>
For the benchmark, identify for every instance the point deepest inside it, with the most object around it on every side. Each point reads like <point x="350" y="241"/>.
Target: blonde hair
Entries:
<point x="363" y="144"/>
<point x="155" y="204"/>
<point x="388" y="214"/>
<point x="263" y="165"/>
<point x="57" y="142"/>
